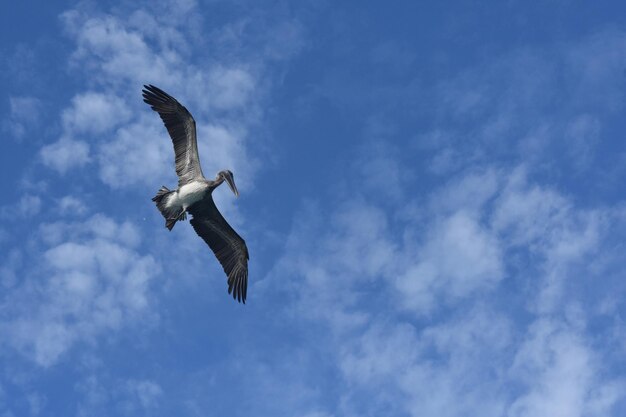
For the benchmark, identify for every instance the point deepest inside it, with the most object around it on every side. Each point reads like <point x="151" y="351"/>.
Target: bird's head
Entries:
<point x="227" y="176"/>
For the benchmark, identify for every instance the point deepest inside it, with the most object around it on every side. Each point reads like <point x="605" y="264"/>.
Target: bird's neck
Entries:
<point x="214" y="184"/>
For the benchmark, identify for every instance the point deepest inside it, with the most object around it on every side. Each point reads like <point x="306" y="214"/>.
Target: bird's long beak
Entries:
<point x="231" y="183"/>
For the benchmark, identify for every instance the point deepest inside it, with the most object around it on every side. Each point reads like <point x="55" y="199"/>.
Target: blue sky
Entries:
<point x="432" y="195"/>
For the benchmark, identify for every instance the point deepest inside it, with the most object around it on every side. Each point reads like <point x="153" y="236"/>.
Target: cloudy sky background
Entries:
<point x="432" y="194"/>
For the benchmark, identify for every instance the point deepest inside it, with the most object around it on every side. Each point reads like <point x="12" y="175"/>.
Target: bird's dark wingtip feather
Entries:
<point x="155" y="93"/>
<point x="237" y="287"/>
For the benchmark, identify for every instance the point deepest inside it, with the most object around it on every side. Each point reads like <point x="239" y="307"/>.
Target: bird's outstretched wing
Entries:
<point x="182" y="129"/>
<point x="229" y="248"/>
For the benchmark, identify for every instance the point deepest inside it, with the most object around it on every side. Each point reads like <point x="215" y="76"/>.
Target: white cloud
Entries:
<point x="381" y="352"/>
<point x="484" y="254"/>
<point x="561" y="375"/>
<point x="351" y="251"/>
<point x="398" y="368"/>
<point x="102" y="394"/>
<point x="94" y="113"/>
<point x="230" y="87"/>
<point x="65" y="154"/>
<point x="445" y="254"/>
<point x="106" y="45"/>
<point x="459" y="258"/>
<point x="86" y="280"/>
<point x="71" y="205"/>
<point x="89" y="114"/>
<point x="469" y="192"/>
<point x="447" y="263"/>
<point x="528" y="212"/>
<point x="140" y="153"/>
<point x="545" y="223"/>
<point x="505" y="107"/>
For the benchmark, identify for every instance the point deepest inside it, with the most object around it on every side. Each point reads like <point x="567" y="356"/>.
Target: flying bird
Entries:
<point x="194" y="193"/>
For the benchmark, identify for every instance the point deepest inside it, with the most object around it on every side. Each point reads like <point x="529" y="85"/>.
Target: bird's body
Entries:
<point x="188" y="194"/>
<point x="194" y="193"/>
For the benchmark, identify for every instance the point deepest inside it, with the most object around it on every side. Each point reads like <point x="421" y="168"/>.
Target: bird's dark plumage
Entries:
<point x="182" y="129"/>
<point x="229" y="248"/>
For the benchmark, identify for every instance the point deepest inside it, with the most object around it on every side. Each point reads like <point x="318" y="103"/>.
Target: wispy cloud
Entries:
<point x="562" y="374"/>
<point x="95" y="113"/>
<point x="460" y="257"/>
<point x="23" y="116"/>
<point x="438" y="360"/>
<point x="493" y="258"/>
<point x="65" y="154"/>
<point x="88" y="277"/>
<point x="71" y="205"/>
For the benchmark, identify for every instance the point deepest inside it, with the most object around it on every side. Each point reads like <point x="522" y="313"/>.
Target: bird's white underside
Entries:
<point x="186" y="195"/>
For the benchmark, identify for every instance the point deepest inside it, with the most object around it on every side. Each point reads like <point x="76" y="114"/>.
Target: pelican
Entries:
<point x="194" y="193"/>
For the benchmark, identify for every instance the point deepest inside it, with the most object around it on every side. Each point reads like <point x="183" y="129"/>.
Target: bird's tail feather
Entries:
<point x="163" y="191"/>
<point x="171" y="214"/>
